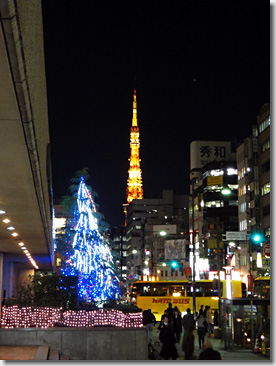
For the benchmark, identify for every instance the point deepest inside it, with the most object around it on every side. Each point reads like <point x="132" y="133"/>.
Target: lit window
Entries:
<point x="216" y="172"/>
<point x="266" y="145"/>
<point x="265" y="189"/>
<point x="232" y="171"/>
<point x="264" y="124"/>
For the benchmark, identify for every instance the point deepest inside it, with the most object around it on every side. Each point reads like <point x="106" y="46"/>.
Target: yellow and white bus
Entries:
<point x="157" y="295"/>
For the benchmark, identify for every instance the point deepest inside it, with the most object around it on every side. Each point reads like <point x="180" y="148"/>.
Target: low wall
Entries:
<point x="97" y="343"/>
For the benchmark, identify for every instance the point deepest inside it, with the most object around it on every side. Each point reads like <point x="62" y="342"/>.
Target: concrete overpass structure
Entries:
<point x="25" y="162"/>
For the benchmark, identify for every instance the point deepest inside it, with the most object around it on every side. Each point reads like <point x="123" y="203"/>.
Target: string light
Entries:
<point x="47" y="317"/>
<point x="92" y="260"/>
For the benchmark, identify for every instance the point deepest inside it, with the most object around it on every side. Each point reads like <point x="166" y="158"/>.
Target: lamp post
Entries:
<point x="226" y="192"/>
<point x="193" y="242"/>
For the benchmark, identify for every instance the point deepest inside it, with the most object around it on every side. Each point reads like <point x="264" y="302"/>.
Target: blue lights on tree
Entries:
<point x="89" y="254"/>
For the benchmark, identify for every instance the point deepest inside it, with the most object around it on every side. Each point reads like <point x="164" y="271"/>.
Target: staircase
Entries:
<point x="44" y="353"/>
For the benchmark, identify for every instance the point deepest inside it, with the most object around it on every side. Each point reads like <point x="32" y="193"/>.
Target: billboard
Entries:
<point x="175" y="249"/>
<point x="203" y="152"/>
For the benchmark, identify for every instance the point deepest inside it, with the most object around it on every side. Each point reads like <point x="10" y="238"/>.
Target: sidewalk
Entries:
<point x="218" y="345"/>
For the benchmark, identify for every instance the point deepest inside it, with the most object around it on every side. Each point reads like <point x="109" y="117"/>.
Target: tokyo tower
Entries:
<point x="134" y="182"/>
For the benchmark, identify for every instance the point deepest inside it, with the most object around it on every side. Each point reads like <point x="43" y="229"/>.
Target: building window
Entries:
<point x="243" y="207"/>
<point x="233" y="203"/>
<point x="243" y="260"/>
<point x="214" y="204"/>
<point x="241" y="173"/>
<point x="266" y="210"/>
<point x="232" y="171"/>
<point x="242" y="190"/>
<point x="176" y="273"/>
<point x="266" y="145"/>
<point x="264" y="124"/>
<point x="243" y="225"/>
<point x="216" y="172"/>
<point x="267" y="232"/>
<point x="162" y="273"/>
<point x="166" y="273"/>
<point x="265" y="189"/>
<point x="266" y="166"/>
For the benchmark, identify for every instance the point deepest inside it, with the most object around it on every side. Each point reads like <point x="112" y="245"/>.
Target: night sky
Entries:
<point x="202" y="72"/>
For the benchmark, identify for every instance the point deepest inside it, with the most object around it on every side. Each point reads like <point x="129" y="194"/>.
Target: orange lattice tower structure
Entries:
<point x="134" y="182"/>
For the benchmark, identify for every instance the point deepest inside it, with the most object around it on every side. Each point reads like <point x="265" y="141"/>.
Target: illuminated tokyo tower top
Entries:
<point x="134" y="182"/>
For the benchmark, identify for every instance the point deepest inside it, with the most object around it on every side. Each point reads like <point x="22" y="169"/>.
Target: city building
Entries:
<point x="214" y="206"/>
<point x="26" y="208"/>
<point x="253" y="162"/>
<point x="157" y="234"/>
<point x="119" y="247"/>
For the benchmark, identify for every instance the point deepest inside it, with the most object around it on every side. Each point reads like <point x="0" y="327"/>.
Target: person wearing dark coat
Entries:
<point x="188" y="321"/>
<point x="177" y="324"/>
<point x="169" y="311"/>
<point x="188" y="343"/>
<point x="201" y="329"/>
<point x="209" y="353"/>
<point x="168" y="340"/>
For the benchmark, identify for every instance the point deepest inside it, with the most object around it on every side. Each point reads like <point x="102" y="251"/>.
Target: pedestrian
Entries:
<point x="201" y="329"/>
<point x="188" y="343"/>
<point x="169" y="311"/>
<point x="215" y="318"/>
<point x="168" y="340"/>
<point x="177" y="324"/>
<point x="149" y="321"/>
<point x="209" y="320"/>
<point x="163" y="315"/>
<point x="188" y="321"/>
<point x="201" y="310"/>
<point x="209" y="353"/>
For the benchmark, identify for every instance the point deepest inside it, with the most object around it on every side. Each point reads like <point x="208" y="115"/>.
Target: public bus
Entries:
<point x="157" y="295"/>
<point x="262" y="287"/>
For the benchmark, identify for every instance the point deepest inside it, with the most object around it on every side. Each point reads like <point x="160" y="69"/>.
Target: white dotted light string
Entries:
<point x="21" y="244"/>
<point x="26" y="317"/>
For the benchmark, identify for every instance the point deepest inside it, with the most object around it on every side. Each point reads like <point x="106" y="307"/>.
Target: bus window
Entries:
<point x="199" y="291"/>
<point x="146" y="291"/>
<point x="208" y="291"/>
<point x="159" y="290"/>
<point x="177" y="289"/>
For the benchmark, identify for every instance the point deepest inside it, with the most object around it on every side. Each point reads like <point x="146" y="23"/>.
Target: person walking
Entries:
<point x="188" y="321"/>
<point x="201" y="329"/>
<point x="209" y="353"/>
<point x="169" y="311"/>
<point x="167" y="339"/>
<point x="209" y="320"/>
<point x="149" y="321"/>
<point x="177" y="324"/>
<point x="201" y="311"/>
<point x="188" y="343"/>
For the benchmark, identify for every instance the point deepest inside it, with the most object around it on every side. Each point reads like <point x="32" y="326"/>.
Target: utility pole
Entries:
<point x="193" y="240"/>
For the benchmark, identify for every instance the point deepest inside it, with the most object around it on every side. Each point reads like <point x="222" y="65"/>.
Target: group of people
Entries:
<point x="170" y="329"/>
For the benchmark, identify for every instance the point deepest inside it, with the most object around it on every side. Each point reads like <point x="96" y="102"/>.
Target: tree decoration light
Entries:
<point x="90" y="256"/>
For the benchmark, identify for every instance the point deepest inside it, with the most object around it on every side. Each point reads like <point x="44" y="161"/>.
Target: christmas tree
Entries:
<point x="89" y="255"/>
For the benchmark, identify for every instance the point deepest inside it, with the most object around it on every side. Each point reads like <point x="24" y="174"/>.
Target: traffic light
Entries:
<point x="174" y="264"/>
<point x="257" y="238"/>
